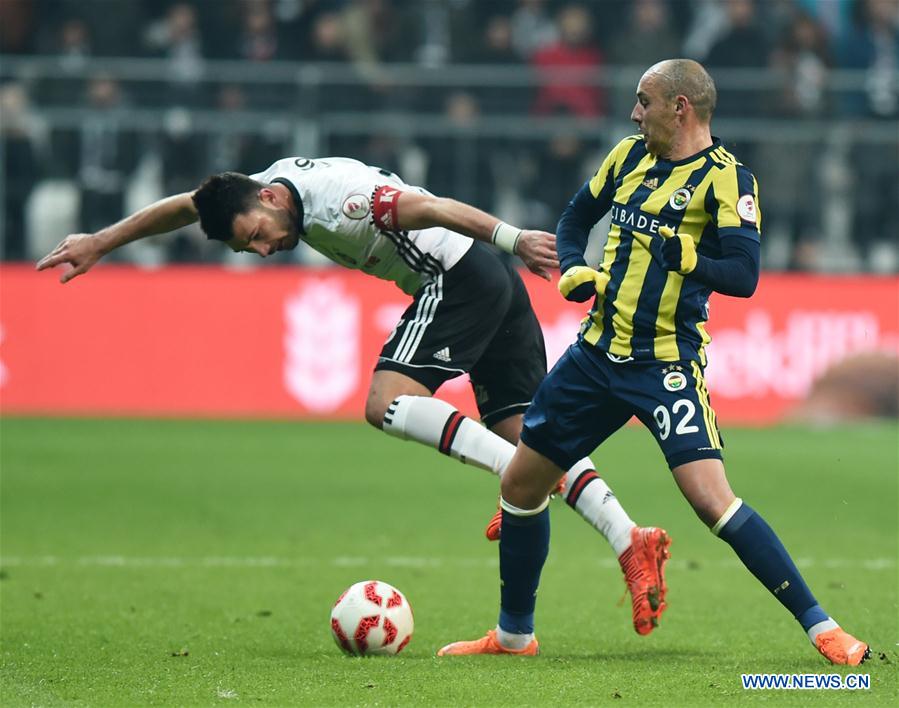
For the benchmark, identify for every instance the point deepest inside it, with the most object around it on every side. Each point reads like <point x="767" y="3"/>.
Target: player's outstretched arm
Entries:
<point x="421" y="211"/>
<point x="82" y="251"/>
<point x="537" y="249"/>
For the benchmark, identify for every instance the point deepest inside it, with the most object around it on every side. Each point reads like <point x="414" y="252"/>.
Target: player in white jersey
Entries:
<point x="470" y="313"/>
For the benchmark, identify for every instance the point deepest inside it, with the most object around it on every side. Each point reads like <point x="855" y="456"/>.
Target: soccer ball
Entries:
<point x="372" y="617"/>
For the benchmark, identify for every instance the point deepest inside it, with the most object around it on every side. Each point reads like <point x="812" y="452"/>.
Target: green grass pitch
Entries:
<point x="195" y="563"/>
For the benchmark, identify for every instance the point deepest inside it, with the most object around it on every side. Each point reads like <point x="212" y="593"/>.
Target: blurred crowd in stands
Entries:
<point x="106" y="158"/>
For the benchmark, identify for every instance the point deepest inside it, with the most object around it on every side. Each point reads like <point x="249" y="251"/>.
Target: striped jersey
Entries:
<point x="649" y="312"/>
<point x="346" y="209"/>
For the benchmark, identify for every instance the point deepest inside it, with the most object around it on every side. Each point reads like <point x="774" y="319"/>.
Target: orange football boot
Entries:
<point x="493" y="528"/>
<point x="487" y="645"/>
<point x="643" y="564"/>
<point x="840" y="647"/>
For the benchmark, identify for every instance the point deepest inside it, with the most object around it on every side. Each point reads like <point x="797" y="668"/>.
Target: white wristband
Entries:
<point x="505" y="237"/>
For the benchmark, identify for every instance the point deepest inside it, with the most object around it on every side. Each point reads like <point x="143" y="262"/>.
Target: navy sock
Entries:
<point x="523" y="547"/>
<point x="766" y="558"/>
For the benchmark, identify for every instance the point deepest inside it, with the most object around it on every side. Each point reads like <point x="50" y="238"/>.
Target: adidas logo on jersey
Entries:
<point x="443" y="354"/>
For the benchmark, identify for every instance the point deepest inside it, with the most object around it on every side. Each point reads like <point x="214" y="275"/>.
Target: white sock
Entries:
<point x="510" y="640"/>
<point x="816" y="629"/>
<point x="436" y="423"/>
<point x="590" y="496"/>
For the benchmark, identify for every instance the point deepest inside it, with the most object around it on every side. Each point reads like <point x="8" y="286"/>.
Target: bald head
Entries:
<point x="685" y="77"/>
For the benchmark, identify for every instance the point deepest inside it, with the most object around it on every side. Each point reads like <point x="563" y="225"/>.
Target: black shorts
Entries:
<point x="475" y="318"/>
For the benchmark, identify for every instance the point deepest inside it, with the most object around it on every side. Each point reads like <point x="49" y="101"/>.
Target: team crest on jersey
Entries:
<point x="356" y="206"/>
<point x="680" y="199"/>
<point x="746" y="208"/>
<point x="674" y="379"/>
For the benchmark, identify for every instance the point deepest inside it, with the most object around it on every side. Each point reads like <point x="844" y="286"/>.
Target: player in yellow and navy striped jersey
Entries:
<point x="684" y="224"/>
<point x="648" y="312"/>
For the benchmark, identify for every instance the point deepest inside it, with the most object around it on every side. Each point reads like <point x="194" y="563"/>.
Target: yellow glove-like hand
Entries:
<point x="580" y="283"/>
<point x="678" y="251"/>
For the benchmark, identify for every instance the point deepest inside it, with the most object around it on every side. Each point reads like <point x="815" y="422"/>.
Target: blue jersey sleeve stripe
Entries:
<point x="746" y="185"/>
<point x="745" y="181"/>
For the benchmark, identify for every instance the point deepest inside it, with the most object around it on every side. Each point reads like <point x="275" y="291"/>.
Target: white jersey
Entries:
<point x="337" y="198"/>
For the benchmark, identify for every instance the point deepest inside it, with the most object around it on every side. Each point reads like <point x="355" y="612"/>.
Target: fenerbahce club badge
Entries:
<point x="680" y="199"/>
<point x="674" y="379"/>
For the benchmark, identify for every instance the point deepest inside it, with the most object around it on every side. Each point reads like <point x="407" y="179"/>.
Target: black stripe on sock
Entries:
<point x="391" y="409"/>
<point x="583" y="479"/>
<point x="453" y="423"/>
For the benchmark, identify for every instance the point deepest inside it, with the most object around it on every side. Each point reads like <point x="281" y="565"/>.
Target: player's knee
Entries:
<point x="710" y="508"/>
<point x="375" y="408"/>
<point x="704" y="485"/>
<point x="705" y="513"/>
<point x="522" y="491"/>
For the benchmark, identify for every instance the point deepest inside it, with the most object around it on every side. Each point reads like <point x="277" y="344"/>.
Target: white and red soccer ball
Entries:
<point x="372" y="617"/>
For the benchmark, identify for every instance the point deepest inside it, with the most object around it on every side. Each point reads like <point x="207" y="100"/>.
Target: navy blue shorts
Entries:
<point x="589" y="395"/>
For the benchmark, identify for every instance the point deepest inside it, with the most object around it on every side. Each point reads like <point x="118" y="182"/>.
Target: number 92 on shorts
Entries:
<point x="590" y="394"/>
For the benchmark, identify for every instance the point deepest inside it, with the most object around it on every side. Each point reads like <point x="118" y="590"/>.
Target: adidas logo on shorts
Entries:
<point x="443" y="354"/>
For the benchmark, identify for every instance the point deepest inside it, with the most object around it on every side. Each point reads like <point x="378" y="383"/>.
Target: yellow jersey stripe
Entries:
<point x="705" y="403"/>
<point x="649" y="312"/>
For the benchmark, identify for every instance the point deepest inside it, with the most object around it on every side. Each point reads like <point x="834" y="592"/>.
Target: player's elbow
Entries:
<point x="741" y="278"/>
<point x="737" y="289"/>
<point x="751" y="282"/>
<point x="746" y="288"/>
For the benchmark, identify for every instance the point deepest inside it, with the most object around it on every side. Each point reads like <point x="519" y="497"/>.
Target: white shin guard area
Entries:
<point x="588" y="494"/>
<point x="435" y="423"/>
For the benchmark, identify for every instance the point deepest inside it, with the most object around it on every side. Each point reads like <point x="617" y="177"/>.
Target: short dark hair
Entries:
<point x="222" y="197"/>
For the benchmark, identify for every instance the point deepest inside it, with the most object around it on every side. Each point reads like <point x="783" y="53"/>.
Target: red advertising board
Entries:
<point x="301" y="343"/>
